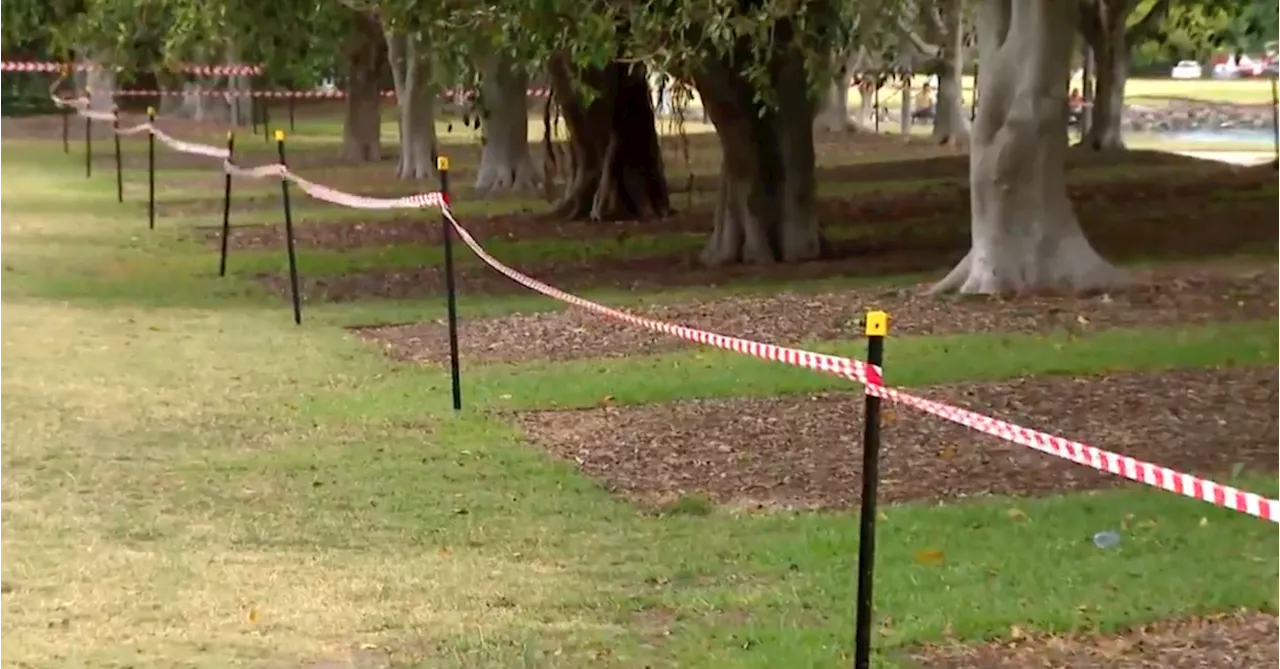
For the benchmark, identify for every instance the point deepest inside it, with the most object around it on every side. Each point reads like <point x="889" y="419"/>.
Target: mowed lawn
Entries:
<point x="189" y="480"/>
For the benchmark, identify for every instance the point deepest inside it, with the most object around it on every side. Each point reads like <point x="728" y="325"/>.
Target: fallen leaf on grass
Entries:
<point x="1204" y="522"/>
<point x="1017" y="633"/>
<point x="1016" y="514"/>
<point x="929" y="556"/>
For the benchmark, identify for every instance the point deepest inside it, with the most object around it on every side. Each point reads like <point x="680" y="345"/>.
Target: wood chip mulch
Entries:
<point x="805" y="451"/>
<point x="1240" y="640"/>
<point x="1165" y="297"/>
<point x="873" y="208"/>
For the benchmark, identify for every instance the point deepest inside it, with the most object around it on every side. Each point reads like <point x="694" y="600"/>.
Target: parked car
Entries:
<point x="1186" y="69"/>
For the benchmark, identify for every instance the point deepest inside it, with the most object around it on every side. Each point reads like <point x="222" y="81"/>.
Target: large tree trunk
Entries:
<point x="505" y="161"/>
<point x="951" y="119"/>
<point x="362" y="123"/>
<point x="834" y="115"/>
<point x="613" y="140"/>
<point x="239" y="100"/>
<point x="411" y="69"/>
<point x="1025" y="236"/>
<point x="1111" y="60"/>
<point x="765" y="211"/>
<point x="905" y="101"/>
<point x="867" y="111"/>
<point x="100" y="82"/>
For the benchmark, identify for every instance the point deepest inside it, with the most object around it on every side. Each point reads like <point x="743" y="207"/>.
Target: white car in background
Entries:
<point x="1186" y="69"/>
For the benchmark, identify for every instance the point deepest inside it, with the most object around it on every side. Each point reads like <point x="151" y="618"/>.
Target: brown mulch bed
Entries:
<point x="1188" y="227"/>
<point x="935" y="199"/>
<point x="640" y="273"/>
<point x="1245" y="639"/>
<point x="805" y="451"/>
<point x="1162" y="297"/>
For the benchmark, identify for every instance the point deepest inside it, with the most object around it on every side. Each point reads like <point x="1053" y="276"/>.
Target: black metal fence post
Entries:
<point x="877" y="326"/>
<point x="450" y="286"/>
<point x="288" y="233"/>
<point x="151" y="168"/>
<point x="226" y="204"/>
<point x="88" y="136"/>
<point x="115" y="136"/>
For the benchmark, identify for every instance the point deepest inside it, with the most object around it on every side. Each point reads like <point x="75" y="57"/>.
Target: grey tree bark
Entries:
<point x="239" y="101"/>
<point x="100" y="82"/>
<point x="867" y="101"/>
<point x="1025" y="235"/>
<point x="362" y="123"/>
<point x="1106" y="29"/>
<point x="834" y="113"/>
<point x="505" y="161"/>
<point x="411" y="68"/>
<point x="951" y="119"/>
<point x="765" y="211"/>
<point x="942" y="45"/>
<point x="904" y="106"/>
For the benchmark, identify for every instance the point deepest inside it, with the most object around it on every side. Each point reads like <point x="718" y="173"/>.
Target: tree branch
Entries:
<point x="926" y="49"/>
<point x="1147" y="24"/>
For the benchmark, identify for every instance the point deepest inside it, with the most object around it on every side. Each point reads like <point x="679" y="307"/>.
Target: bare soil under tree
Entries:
<point x="1210" y="219"/>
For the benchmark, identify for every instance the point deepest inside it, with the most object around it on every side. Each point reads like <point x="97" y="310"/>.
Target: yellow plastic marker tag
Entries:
<point x="877" y="324"/>
<point x="442" y="164"/>
<point x="151" y="111"/>
<point x="279" y="135"/>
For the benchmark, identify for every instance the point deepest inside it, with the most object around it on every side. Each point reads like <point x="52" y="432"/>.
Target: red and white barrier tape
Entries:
<point x="205" y="70"/>
<point x="1090" y="456"/>
<point x="855" y="370"/>
<point x="275" y="94"/>
<point x="869" y="375"/>
<point x="190" y="147"/>
<point x="238" y="93"/>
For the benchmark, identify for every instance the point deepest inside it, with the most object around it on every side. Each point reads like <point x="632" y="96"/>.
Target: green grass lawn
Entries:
<point x="189" y="480"/>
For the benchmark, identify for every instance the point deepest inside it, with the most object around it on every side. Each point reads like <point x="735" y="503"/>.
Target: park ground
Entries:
<point x="189" y="479"/>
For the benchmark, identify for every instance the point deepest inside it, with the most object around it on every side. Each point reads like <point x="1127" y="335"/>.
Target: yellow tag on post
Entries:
<point x="279" y="135"/>
<point x="442" y="164"/>
<point x="877" y="323"/>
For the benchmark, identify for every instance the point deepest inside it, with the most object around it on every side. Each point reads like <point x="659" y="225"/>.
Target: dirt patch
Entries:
<point x="1161" y="297"/>
<point x="805" y="452"/>
<point x="918" y="200"/>
<point x="1162" y="227"/>
<point x="1242" y="639"/>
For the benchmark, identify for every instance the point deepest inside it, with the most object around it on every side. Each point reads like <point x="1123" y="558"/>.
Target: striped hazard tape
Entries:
<point x="1113" y="463"/>
<point x="332" y="94"/>
<point x="855" y="370"/>
<point x="205" y="70"/>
